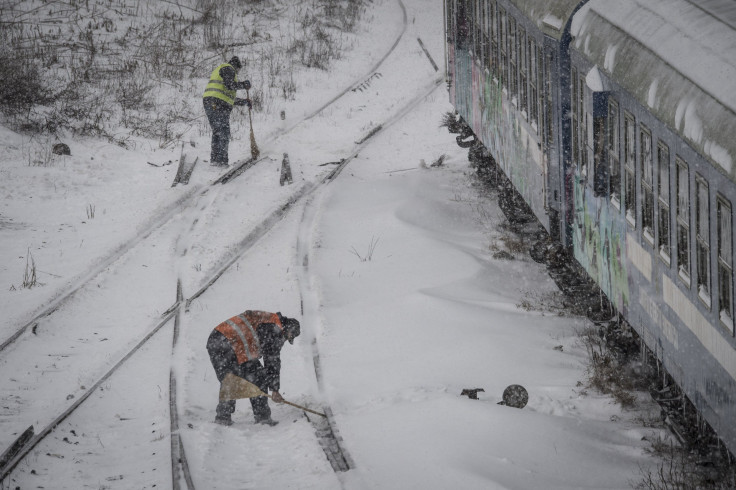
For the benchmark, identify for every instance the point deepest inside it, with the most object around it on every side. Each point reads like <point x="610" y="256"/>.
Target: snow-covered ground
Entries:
<point x="389" y="267"/>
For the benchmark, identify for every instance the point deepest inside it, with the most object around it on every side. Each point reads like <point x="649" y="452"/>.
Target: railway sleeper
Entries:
<point x="330" y="443"/>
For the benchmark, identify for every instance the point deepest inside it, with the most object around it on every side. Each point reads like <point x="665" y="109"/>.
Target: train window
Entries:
<point x="478" y="32"/>
<point x="494" y="38"/>
<point x="614" y="164"/>
<point x="470" y="19"/>
<point x="523" y="70"/>
<point x="502" y="35"/>
<point x="574" y="116"/>
<point x="483" y="6"/>
<point x="533" y="81"/>
<point x="475" y="19"/>
<point x="702" y="239"/>
<point x="582" y="123"/>
<point x="491" y="31"/>
<point x="725" y="263"/>
<point x="450" y="22"/>
<point x="630" y="168"/>
<point x="663" y="201"/>
<point x="548" y="92"/>
<point x="600" y="167"/>
<point x="683" y="221"/>
<point x="463" y="25"/>
<point x="513" y="57"/>
<point x="647" y="184"/>
<point x="486" y="38"/>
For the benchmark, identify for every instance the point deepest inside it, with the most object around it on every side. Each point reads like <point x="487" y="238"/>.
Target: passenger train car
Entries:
<point x="616" y="123"/>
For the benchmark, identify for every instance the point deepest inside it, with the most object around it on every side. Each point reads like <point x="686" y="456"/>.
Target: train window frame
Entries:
<point x="598" y="136"/>
<point x="533" y="83"/>
<point x="664" y="242"/>
<point x="492" y="22"/>
<point x="451" y="23"/>
<point x="477" y="29"/>
<point x="702" y="240"/>
<point x="583" y="124"/>
<point x="459" y="26"/>
<point x="491" y="26"/>
<point x="544" y="137"/>
<point x="502" y="35"/>
<point x="630" y="168"/>
<point x="548" y="106"/>
<point x="574" y="119"/>
<point x="470" y="21"/>
<point x="513" y="61"/>
<point x="683" y="220"/>
<point x="523" y="71"/>
<point x="614" y="153"/>
<point x="484" y="33"/>
<point x="646" y="182"/>
<point x="725" y="263"/>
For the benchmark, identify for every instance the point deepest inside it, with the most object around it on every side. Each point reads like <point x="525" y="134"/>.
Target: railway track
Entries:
<point x="166" y="214"/>
<point x="191" y="203"/>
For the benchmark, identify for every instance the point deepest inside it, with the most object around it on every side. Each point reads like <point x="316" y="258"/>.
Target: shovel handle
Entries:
<point x="250" y="118"/>
<point x="299" y="406"/>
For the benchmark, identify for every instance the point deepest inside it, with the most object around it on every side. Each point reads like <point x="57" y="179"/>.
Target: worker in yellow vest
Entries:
<point x="237" y="345"/>
<point x="219" y="99"/>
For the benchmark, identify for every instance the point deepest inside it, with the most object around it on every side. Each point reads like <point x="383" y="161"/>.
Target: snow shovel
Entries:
<point x="234" y="387"/>
<point x="254" y="151"/>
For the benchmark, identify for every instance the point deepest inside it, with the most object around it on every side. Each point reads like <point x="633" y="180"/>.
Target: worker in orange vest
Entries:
<point x="237" y="345"/>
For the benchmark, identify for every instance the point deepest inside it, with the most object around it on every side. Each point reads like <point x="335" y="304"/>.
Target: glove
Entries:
<point x="276" y="396"/>
<point x="241" y="102"/>
<point x="246" y="84"/>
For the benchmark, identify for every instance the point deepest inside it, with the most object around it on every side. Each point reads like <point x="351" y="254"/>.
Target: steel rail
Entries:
<point x="64" y="414"/>
<point x="174" y="310"/>
<point x="179" y="462"/>
<point x="183" y="203"/>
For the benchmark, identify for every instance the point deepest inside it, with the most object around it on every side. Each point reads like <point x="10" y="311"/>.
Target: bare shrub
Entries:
<point x="368" y="256"/>
<point x="29" y="276"/>
<point x="611" y="358"/>
<point x="90" y="70"/>
<point x="680" y="469"/>
<point x="21" y="85"/>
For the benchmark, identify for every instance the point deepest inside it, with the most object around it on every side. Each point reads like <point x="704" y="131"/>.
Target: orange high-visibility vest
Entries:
<point x="240" y="331"/>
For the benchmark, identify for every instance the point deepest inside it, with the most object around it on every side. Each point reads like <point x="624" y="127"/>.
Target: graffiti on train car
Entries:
<point x="496" y="122"/>
<point x="599" y="244"/>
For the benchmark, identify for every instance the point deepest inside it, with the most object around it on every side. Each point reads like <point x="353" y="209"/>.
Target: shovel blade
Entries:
<point x="234" y="388"/>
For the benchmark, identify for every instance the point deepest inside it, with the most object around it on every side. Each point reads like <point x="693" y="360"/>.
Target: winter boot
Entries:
<point x="268" y="421"/>
<point x="224" y="420"/>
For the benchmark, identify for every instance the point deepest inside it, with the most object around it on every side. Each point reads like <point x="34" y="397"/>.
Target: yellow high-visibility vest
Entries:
<point x="216" y="88"/>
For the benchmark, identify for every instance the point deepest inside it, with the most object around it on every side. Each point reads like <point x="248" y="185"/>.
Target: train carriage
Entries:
<point x="505" y="63"/>
<point x="616" y="123"/>
<point x="653" y="123"/>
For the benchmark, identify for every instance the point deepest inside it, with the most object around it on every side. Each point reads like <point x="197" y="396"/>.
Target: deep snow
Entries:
<point x="400" y="299"/>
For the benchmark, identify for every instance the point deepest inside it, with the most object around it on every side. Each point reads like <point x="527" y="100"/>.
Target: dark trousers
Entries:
<point x="224" y="361"/>
<point x="218" y="114"/>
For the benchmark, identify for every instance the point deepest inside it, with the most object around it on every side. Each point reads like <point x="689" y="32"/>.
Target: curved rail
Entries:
<point x="167" y="213"/>
<point x="172" y="312"/>
<point x="179" y="463"/>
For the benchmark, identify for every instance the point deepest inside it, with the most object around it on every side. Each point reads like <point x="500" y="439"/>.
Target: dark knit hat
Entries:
<point x="292" y="329"/>
<point x="235" y="61"/>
